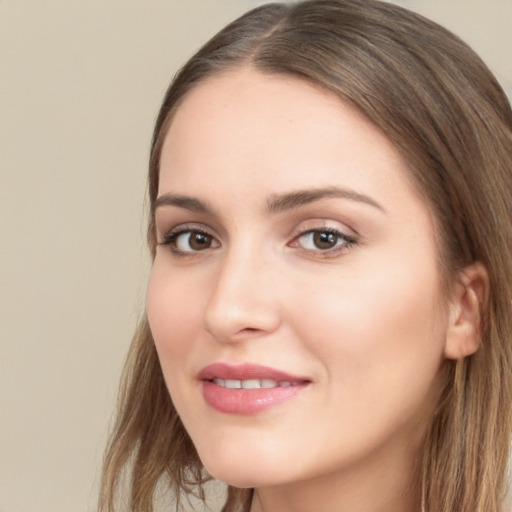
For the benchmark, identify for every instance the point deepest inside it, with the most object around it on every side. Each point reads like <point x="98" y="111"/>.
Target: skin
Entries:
<point x="364" y="321"/>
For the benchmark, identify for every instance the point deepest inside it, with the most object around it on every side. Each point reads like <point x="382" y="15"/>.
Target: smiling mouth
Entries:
<point x="255" y="383"/>
<point x="247" y="389"/>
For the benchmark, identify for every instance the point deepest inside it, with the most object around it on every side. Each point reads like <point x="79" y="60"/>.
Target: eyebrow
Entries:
<point x="280" y="203"/>
<point x="186" y="202"/>
<point x="276" y="204"/>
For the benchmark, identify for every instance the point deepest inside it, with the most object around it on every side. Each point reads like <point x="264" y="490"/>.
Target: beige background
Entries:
<point x="80" y="85"/>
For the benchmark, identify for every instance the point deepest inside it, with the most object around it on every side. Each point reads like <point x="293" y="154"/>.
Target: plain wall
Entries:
<point x="80" y="85"/>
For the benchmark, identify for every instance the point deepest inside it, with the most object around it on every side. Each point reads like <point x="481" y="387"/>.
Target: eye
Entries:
<point x="187" y="241"/>
<point x="323" y="240"/>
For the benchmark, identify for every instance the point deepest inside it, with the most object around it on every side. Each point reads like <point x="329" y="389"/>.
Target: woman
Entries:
<point x="329" y="308"/>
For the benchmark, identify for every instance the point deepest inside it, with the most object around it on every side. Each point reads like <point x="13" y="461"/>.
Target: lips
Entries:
<point x="247" y="388"/>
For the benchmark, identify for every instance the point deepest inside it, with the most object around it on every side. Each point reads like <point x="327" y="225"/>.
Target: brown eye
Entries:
<point x="199" y="241"/>
<point x="325" y="239"/>
<point x="192" y="241"/>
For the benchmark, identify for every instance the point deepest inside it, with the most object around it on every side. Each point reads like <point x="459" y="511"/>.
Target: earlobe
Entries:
<point x="469" y="299"/>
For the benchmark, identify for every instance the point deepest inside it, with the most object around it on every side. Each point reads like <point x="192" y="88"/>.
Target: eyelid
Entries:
<point x="320" y="224"/>
<point x="349" y="237"/>
<point x="168" y="238"/>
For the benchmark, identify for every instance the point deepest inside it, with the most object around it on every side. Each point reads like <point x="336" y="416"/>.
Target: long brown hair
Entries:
<point x="449" y="118"/>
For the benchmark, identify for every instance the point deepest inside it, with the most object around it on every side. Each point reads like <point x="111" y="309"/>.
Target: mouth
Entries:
<point x="255" y="383"/>
<point x="248" y="389"/>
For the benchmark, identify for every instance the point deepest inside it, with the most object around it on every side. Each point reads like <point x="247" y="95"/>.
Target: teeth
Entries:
<point x="253" y="383"/>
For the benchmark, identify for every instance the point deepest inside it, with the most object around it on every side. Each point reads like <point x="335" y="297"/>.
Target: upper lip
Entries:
<point x="246" y="371"/>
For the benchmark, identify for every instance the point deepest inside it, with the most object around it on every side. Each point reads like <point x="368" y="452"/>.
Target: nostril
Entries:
<point x="249" y="331"/>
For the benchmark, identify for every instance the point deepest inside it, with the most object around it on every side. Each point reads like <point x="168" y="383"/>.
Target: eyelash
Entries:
<point x="347" y="242"/>
<point x="171" y="239"/>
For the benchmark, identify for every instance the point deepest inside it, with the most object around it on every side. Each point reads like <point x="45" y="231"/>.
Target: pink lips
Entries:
<point x="247" y="388"/>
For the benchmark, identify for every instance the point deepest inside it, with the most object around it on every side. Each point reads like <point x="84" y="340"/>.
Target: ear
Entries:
<point x="468" y="299"/>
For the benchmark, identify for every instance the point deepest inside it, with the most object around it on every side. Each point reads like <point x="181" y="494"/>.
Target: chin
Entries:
<point x="233" y="474"/>
<point x="243" y="472"/>
<point x="239" y="475"/>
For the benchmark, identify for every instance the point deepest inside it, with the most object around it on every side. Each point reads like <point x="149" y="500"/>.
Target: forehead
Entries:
<point x="251" y="131"/>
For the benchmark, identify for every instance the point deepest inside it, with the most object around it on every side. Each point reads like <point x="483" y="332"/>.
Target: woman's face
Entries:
<point x="295" y="296"/>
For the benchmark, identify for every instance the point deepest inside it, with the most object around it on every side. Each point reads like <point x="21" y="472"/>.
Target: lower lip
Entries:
<point x="247" y="401"/>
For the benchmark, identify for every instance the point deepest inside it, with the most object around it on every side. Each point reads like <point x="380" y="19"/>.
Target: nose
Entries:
<point x="244" y="300"/>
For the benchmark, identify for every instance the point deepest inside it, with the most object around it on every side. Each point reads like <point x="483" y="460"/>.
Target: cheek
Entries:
<point x="377" y="334"/>
<point x="173" y="315"/>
